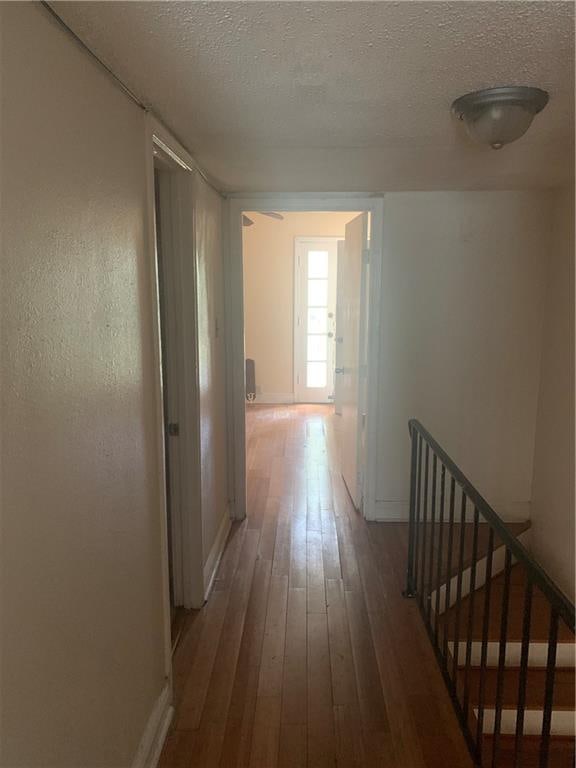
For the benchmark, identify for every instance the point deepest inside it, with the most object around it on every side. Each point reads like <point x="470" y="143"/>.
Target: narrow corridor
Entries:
<point x="306" y="653"/>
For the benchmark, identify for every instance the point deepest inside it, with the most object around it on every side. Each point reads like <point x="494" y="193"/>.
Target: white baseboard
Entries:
<point x="399" y="511"/>
<point x="213" y="560"/>
<point x="537" y="653"/>
<point x="286" y="398"/>
<point x="150" y="747"/>
<point x="562" y="721"/>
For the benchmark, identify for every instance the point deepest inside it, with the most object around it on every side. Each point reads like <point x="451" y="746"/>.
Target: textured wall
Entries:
<point x="553" y="487"/>
<point x="82" y="629"/>
<point x="462" y="308"/>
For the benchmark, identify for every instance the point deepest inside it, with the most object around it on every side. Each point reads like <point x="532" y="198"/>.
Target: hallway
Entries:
<point x="306" y="653"/>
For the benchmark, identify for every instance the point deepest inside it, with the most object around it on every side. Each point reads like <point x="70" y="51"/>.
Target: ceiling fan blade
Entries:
<point x="273" y="215"/>
<point x="246" y="222"/>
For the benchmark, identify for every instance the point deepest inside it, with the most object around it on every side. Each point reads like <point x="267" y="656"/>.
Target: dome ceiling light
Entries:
<point x="498" y="116"/>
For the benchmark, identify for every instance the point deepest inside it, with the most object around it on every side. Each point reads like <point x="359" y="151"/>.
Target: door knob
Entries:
<point x="339" y="370"/>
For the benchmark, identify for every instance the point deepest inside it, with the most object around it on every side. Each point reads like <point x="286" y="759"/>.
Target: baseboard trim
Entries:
<point x="152" y="742"/>
<point x="213" y="560"/>
<point x="399" y="512"/>
<point x="286" y="398"/>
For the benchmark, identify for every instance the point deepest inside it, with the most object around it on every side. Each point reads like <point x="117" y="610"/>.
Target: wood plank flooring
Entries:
<point x="306" y="653"/>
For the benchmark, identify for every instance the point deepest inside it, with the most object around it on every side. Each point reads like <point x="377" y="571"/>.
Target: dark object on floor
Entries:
<point x="250" y="380"/>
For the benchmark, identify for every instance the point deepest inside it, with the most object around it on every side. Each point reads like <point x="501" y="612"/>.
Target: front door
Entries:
<point x="315" y="319"/>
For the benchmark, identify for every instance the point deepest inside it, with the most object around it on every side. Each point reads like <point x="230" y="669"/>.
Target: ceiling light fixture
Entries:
<point x="498" y="116"/>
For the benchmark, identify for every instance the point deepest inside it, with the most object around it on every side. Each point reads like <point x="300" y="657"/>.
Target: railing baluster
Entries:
<point x="418" y="507"/>
<point x="427" y="575"/>
<point x="459" y="589"/>
<point x="523" y="673"/>
<point x="484" y="652"/>
<point x="449" y="560"/>
<point x="424" y="524"/>
<point x="440" y="546"/>
<point x="501" y="657"/>
<point x="549" y="689"/>
<point x="472" y="593"/>
<point x="412" y="524"/>
<point x="432" y="531"/>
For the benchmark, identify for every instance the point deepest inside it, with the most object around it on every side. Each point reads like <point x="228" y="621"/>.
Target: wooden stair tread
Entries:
<point x="564" y="696"/>
<point x="540" y="621"/>
<point x="482" y="546"/>
<point x="560" y="755"/>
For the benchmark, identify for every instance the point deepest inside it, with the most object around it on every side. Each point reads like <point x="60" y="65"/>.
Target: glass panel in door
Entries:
<point x="317" y="326"/>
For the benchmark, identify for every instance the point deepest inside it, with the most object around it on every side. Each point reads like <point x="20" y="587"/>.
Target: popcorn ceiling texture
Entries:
<point x="342" y="95"/>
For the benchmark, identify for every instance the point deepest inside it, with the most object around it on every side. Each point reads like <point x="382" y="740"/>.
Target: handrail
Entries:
<point x="537" y="574"/>
<point x="446" y="590"/>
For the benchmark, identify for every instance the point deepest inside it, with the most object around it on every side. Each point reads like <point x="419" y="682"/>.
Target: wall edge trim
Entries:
<point x="152" y="741"/>
<point x="216" y="552"/>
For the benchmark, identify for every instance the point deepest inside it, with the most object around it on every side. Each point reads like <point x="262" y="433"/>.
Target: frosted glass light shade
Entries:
<point x="498" y="116"/>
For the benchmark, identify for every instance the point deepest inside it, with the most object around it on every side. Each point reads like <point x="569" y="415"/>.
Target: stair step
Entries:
<point x="540" y="622"/>
<point x="481" y="547"/>
<point x="537" y="655"/>
<point x="438" y="599"/>
<point x="564" y="694"/>
<point x="560" y="754"/>
<point x="562" y="723"/>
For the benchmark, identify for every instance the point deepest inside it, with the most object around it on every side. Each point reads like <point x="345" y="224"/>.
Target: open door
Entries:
<point x="339" y="325"/>
<point x="351" y="305"/>
<point x="179" y="341"/>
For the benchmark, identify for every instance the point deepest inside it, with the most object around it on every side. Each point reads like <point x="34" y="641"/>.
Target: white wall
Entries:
<point x="462" y="308"/>
<point x="553" y="482"/>
<point x="82" y="628"/>
<point x="268" y="250"/>
<point x="212" y="375"/>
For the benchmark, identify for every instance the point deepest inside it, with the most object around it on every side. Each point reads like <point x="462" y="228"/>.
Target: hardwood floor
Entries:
<point x="306" y="653"/>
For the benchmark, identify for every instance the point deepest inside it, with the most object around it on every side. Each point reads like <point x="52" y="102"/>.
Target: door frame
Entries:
<point x="297" y="350"/>
<point x="181" y="232"/>
<point x="235" y="204"/>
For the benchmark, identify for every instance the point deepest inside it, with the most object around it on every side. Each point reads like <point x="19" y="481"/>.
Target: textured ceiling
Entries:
<point x="342" y="96"/>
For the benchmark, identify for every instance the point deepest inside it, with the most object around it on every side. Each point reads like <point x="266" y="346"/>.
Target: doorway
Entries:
<point x="176" y="287"/>
<point x="164" y="170"/>
<point x="316" y="332"/>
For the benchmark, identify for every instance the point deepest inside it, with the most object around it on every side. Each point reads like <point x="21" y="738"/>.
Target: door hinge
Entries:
<point x="173" y="429"/>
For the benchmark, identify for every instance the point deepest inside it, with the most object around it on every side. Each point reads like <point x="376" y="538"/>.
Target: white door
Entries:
<point x="351" y="301"/>
<point x="339" y="323"/>
<point x="314" y="319"/>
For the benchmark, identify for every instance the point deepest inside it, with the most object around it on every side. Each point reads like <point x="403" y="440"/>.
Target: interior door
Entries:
<point x="351" y="295"/>
<point x="169" y="332"/>
<point x="315" y="319"/>
<point x="339" y="324"/>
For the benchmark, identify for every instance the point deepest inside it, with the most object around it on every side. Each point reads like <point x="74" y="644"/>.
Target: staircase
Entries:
<point x="502" y="631"/>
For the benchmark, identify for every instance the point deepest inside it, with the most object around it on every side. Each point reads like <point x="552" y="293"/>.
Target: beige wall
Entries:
<point x="82" y="631"/>
<point x="553" y="484"/>
<point x="269" y="291"/>
<point x="462" y="308"/>
<point x="211" y="358"/>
